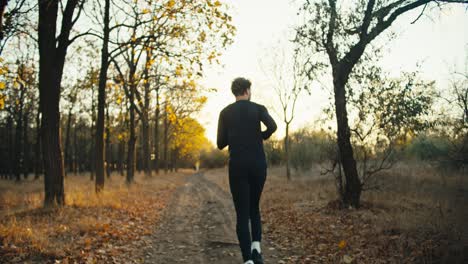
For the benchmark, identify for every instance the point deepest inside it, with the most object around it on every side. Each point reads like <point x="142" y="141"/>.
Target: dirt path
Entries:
<point x="198" y="226"/>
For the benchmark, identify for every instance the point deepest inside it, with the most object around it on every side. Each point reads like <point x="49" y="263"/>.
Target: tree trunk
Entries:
<point x="131" y="156"/>
<point x="52" y="54"/>
<point x="286" y="152"/>
<point x="108" y="146"/>
<point x="175" y="159"/>
<point x="75" y="149"/>
<point x="121" y="154"/>
<point x="156" y="133"/>
<point x="166" y="139"/>
<point x="52" y="151"/>
<point x="4" y="151"/>
<point x="146" y="144"/>
<point x="100" y="154"/>
<point x="352" y="192"/>
<point x="25" y="146"/>
<point x="11" y="147"/>
<point x="145" y="119"/>
<point x="131" y="145"/>
<point x="92" y="153"/>
<point x="67" y="141"/>
<point x="37" y="147"/>
<point x="18" y="135"/>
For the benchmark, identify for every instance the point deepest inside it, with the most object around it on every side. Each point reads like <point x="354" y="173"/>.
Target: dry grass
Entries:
<point x="91" y="228"/>
<point x="418" y="216"/>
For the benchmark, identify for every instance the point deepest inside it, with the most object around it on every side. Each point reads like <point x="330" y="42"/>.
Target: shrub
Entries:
<point x="308" y="146"/>
<point x="213" y="158"/>
<point x="274" y="151"/>
<point x="428" y="148"/>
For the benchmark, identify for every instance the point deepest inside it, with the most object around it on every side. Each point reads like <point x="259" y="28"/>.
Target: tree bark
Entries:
<point x="286" y="152"/>
<point x="353" y="188"/>
<point x="75" y="149"/>
<point x="92" y="133"/>
<point x="10" y="157"/>
<point x="108" y="146"/>
<point x="121" y="154"/>
<point x="156" y="133"/>
<point x="166" y="139"/>
<point x="67" y="162"/>
<point x="19" y="132"/>
<point x="25" y="145"/>
<point x="174" y="160"/>
<point x="146" y="144"/>
<point x="131" y="157"/>
<point x="100" y="154"/>
<point x="145" y="119"/>
<point x="37" y="147"/>
<point x="52" y="52"/>
<point x="131" y="147"/>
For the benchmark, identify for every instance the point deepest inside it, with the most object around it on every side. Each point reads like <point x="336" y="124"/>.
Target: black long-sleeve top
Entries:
<point x="239" y="127"/>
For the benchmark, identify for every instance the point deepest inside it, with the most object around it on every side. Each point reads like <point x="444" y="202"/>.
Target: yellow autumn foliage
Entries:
<point x="189" y="138"/>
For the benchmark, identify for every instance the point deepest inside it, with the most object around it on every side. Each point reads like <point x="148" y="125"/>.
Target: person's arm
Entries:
<point x="222" y="132"/>
<point x="268" y="121"/>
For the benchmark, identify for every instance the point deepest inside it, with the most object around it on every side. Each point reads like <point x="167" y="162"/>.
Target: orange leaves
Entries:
<point x="92" y="229"/>
<point x="342" y="244"/>
<point x="87" y="242"/>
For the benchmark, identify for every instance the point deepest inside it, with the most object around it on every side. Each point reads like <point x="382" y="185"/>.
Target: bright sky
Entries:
<point x="437" y="42"/>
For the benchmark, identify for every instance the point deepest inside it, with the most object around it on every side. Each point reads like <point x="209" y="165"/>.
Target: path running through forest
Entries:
<point x="198" y="226"/>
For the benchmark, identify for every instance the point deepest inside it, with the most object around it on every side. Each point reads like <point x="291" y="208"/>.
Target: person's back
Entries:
<point x="239" y="128"/>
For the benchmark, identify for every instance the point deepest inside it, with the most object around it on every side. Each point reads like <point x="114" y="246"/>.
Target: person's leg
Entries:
<point x="239" y="185"/>
<point x="257" y="181"/>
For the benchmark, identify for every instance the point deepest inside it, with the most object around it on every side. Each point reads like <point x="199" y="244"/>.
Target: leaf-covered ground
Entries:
<point x="417" y="217"/>
<point x="109" y="228"/>
<point x="421" y="222"/>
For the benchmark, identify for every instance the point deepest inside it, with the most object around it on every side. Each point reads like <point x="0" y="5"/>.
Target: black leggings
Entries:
<point x="246" y="180"/>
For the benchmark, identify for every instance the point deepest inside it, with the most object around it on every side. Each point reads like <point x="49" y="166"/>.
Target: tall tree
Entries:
<point x="100" y="153"/>
<point x="343" y="31"/>
<point x="52" y="53"/>
<point x="289" y="81"/>
<point x="72" y="99"/>
<point x="145" y="121"/>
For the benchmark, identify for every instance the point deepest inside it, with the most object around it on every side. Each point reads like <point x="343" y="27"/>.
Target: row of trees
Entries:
<point x="21" y="129"/>
<point x="152" y="54"/>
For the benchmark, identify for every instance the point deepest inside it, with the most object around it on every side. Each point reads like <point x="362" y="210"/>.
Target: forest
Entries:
<point x="106" y="158"/>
